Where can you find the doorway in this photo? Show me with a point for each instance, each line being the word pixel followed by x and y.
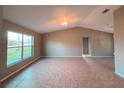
pixel 86 46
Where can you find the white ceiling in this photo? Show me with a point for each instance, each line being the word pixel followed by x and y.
pixel 45 19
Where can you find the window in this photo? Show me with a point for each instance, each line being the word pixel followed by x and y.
pixel 19 47
pixel 27 46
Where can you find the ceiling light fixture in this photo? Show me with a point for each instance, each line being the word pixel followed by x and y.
pixel 64 23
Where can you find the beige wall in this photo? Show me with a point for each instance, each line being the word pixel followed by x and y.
pixel 119 41
pixel 9 26
pixel 69 42
pixel 1 37
pixel 1 14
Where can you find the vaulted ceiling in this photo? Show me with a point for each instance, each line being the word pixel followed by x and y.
pixel 50 18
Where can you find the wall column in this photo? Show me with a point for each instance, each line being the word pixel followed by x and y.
pixel 119 41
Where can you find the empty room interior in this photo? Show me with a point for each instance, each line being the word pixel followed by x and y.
pixel 62 46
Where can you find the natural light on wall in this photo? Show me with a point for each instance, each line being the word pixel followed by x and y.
pixel 19 47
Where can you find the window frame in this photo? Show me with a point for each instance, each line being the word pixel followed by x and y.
pixel 22 48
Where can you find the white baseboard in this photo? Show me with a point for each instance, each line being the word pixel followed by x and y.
pixel 86 55
pixel 76 56
pixel 119 74
pixel 19 69
pixel 61 56
pixel 94 56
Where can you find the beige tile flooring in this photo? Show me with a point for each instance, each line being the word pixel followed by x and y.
pixel 68 73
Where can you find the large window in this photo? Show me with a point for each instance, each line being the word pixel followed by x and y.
pixel 20 47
